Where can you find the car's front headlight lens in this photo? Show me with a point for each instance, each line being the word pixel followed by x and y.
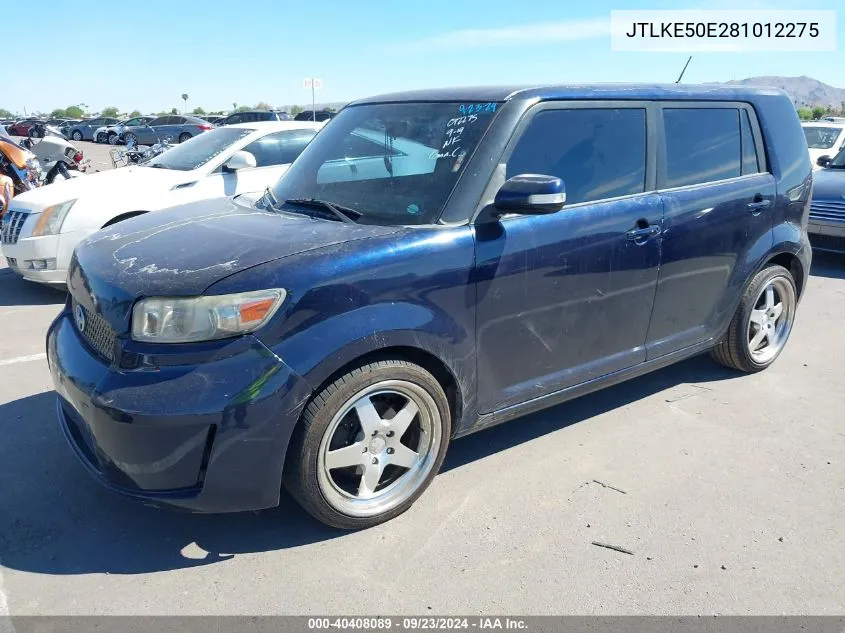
pixel 184 320
pixel 52 218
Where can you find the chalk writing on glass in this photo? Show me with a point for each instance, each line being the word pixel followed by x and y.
pixel 450 154
pixel 472 108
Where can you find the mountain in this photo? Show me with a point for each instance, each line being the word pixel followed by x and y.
pixel 805 91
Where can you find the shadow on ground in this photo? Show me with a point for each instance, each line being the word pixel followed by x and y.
pixel 14 291
pixel 56 520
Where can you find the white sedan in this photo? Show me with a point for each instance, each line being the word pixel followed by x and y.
pixel 43 226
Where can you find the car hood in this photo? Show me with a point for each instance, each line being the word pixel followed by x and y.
pixel 116 182
pixel 829 184
pixel 184 250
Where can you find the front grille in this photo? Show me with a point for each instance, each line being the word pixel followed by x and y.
pixel 97 332
pixel 13 263
pixel 827 210
pixel 832 243
pixel 10 229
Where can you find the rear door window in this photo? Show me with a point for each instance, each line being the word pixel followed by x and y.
pixel 598 153
pixel 702 145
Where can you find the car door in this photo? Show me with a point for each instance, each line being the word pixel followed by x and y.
pixel 718 198
pixel 89 127
pixel 567 297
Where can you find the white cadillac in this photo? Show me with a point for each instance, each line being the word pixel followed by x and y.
pixel 43 226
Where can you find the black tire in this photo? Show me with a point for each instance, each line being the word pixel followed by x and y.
pixel 33 133
pixel 301 463
pixel 184 136
pixel 101 138
pixel 76 135
pixel 734 350
pixel 129 136
pixel 113 139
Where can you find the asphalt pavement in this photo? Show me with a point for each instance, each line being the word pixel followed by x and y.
pixel 727 489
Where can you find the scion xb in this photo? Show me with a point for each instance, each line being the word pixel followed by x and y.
pixel 433 263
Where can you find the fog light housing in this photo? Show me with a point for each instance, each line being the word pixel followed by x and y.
pixel 40 264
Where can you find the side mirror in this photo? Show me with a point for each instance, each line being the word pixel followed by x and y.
pixel 824 161
pixel 239 160
pixel 526 194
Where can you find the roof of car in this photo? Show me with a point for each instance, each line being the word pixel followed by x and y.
pixel 576 91
pixel 277 126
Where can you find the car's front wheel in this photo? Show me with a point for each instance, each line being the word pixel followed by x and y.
pixel 113 139
pixel 762 322
pixel 77 135
pixel 369 444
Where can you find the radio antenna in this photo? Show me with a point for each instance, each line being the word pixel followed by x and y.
pixel 681 76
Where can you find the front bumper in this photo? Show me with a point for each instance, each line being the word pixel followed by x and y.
pixel 209 436
pixel 58 248
pixel 827 235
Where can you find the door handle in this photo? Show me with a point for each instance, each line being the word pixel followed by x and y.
pixel 758 204
pixel 641 235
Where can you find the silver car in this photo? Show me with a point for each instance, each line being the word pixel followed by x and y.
pixel 178 127
pixel 84 130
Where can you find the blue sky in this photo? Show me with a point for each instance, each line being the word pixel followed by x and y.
pixel 219 53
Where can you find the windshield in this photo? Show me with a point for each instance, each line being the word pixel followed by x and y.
pixel 197 151
pixel 838 160
pixel 393 163
pixel 821 137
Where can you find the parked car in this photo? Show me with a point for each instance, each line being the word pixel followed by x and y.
pixel 335 334
pixel 178 127
pixel 66 127
pixel 827 210
pixel 253 115
pixel 824 138
pixel 50 221
pixel 311 115
pixel 21 127
pixel 84 130
pixel 212 118
pixel 57 122
pixel 113 134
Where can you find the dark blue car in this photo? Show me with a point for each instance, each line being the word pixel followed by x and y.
pixel 434 263
pixel 827 209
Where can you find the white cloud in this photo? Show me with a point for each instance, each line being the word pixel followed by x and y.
pixel 543 32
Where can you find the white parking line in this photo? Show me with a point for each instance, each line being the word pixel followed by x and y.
pixel 22 359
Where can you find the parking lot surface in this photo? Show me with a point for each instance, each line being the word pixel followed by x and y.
pixel 729 491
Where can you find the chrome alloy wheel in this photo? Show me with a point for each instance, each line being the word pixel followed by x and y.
pixel 379 448
pixel 771 319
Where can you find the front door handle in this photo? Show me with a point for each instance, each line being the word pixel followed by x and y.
pixel 641 235
pixel 758 204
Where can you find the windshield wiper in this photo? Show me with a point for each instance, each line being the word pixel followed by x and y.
pixel 344 214
pixel 270 197
pixel 157 166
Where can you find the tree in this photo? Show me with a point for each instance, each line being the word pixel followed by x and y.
pixel 110 111
pixel 198 110
pixel 185 99
pixel 174 111
pixel 295 110
pixel 59 113
pixel 4 113
pixel 234 105
pixel 243 109
pixel 818 112
pixel 261 105
pixel 74 112
pixel 135 113
pixel 842 108
pixel 805 114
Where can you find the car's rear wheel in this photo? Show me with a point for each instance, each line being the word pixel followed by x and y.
pixel 113 138
pixel 369 444
pixel 762 322
pixel 184 136
pixel 77 135
pixel 101 138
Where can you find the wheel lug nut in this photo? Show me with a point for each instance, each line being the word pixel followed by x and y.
pixel 375 460
pixel 390 451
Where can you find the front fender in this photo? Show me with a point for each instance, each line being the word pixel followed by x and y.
pixel 321 349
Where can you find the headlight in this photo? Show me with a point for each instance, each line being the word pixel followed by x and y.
pixel 52 218
pixel 183 320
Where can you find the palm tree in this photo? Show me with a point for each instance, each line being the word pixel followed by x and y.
pixel 185 99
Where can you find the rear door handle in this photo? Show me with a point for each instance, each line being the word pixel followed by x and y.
pixel 637 235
